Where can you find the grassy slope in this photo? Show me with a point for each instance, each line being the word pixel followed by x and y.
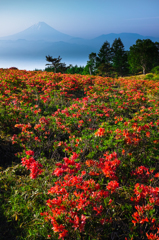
pixel 21 198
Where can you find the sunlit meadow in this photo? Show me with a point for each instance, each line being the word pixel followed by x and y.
pixel 86 158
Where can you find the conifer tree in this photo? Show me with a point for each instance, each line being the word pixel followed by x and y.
pixel 119 57
pixel 103 60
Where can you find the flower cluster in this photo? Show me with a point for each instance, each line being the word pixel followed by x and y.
pixel 32 165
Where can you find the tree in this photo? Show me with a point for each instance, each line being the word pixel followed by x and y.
pixel 104 55
pixel 143 55
pixel 119 57
pixel 55 62
pixel 62 68
pixel 157 46
pixel 91 64
pixel 103 60
pixel 75 70
pixel 87 70
pixel 105 70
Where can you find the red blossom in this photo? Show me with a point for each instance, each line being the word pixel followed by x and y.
pixel 30 153
pixel 112 185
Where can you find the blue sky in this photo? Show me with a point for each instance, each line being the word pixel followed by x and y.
pixel 81 18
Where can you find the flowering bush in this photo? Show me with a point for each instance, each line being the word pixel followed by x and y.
pixel 104 146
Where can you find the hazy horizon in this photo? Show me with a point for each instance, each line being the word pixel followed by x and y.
pixel 34 62
pixel 32 65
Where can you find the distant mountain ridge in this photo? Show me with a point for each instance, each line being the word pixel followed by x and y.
pixel 41 39
pixel 43 32
pixel 128 39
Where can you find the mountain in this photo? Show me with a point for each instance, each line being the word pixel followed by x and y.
pixel 40 40
pixel 39 31
pixel 128 39
pixel 43 32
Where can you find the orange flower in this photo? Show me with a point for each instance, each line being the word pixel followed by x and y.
pixel 100 132
pixel 147 134
pixel 123 152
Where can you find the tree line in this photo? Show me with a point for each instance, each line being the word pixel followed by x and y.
pixel 114 61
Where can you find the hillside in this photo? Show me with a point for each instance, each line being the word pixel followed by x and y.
pixel 79 156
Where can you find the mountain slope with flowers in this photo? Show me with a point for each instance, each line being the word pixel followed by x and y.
pixel 88 156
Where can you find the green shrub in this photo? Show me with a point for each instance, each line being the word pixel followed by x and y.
pixel 149 76
pixel 49 69
pixel 156 78
pixel 155 70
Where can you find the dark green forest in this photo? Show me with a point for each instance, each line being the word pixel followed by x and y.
pixel 114 61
